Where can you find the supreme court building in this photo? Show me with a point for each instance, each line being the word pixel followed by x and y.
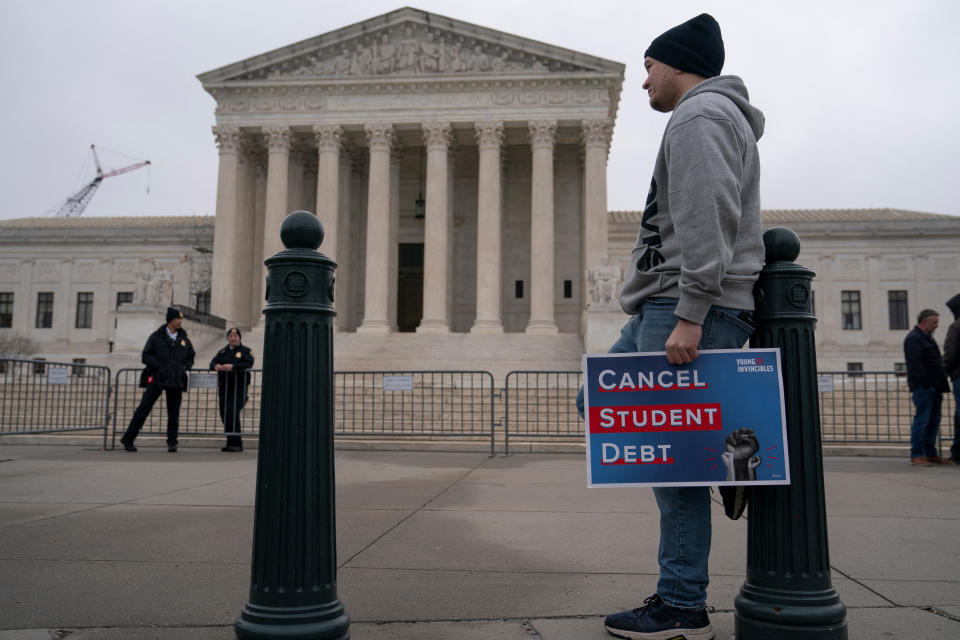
pixel 459 172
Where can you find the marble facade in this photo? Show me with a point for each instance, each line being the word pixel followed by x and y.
pixel 504 140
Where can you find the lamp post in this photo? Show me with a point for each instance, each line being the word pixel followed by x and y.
pixel 293 582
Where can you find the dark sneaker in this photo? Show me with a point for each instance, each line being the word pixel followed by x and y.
pixel 171 448
pixel 734 501
pixel 128 446
pixel 656 620
pixel 231 448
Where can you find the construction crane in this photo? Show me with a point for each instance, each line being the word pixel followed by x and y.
pixel 77 203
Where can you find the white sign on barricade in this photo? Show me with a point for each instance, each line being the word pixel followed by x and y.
pixel 398 383
pixel 57 375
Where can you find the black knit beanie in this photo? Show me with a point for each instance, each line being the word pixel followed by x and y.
pixel 694 46
pixel 173 312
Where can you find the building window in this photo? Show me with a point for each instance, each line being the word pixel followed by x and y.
pixel 124 297
pixel 44 310
pixel 203 302
pixel 78 370
pixel 897 305
pixel 85 310
pixel 518 289
pixel 850 310
pixel 855 369
pixel 6 309
pixel 39 366
pixel 900 368
pixel 568 288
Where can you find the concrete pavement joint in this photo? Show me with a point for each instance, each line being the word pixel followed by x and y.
pixel 413 513
pixel 529 628
pixel 941 613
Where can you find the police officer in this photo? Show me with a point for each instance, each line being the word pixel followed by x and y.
pixel 232 364
pixel 168 355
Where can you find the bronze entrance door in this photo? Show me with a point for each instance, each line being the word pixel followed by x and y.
pixel 410 287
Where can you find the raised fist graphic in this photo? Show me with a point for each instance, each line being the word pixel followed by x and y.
pixel 739 456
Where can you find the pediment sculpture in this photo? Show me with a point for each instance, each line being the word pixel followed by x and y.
pixel 408 51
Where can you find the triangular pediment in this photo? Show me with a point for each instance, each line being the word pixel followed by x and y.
pixel 409 43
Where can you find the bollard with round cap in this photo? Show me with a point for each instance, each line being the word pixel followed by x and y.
pixel 293 581
pixel 788 593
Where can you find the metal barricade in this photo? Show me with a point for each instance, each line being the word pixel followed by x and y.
pixel 200 409
pixel 40 396
pixel 872 407
pixel 414 403
pixel 540 404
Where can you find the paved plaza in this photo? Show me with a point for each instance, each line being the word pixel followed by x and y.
pixel 108 544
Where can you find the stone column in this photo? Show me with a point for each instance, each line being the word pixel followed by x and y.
pixel 596 141
pixel 436 243
pixel 376 294
pixel 543 136
pixel 345 270
pixel 295 166
pixel 489 217
pixel 396 157
pixel 224 298
pixel 328 185
pixel 278 178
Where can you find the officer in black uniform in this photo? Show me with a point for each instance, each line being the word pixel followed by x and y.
pixel 168 355
pixel 232 364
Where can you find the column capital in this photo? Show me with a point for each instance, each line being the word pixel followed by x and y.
pixel 380 136
pixel 543 133
pixel 328 137
pixel 277 138
pixel 437 135
pixel 228 138
pixel 489 134
pixel 596 132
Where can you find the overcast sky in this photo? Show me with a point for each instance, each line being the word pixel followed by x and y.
pixel 861 100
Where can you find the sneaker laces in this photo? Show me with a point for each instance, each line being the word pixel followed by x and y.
pixel 652 602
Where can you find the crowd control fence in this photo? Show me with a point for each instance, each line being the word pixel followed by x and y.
pixel 874 407
pixel 366 403
pixel 40 396
pixel 541 404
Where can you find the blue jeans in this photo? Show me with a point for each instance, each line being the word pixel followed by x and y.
pixel 685 528
pixel 926 422
pixel 955 449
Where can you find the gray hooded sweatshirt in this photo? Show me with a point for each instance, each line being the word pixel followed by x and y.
pixel 700 238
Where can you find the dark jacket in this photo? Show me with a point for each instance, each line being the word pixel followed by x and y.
pixel 167 360
pixel 924 364
pixel 951 346
pixel 242 360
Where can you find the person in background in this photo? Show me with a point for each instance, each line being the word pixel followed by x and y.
pixel 951 363
pixel 232 364
pixel 167 355
pixel 927 383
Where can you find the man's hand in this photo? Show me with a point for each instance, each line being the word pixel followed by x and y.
pixel 682 344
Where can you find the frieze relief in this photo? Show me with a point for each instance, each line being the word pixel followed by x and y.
pixel 410 51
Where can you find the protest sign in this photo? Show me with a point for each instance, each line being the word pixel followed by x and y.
pixel 718 420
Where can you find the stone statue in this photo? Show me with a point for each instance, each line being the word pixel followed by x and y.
pixel 160 288
pixel 142 277
pixel 384 57
pixel 341 64
pixel 430 53
pixel 499 63
pixel 407 58
pixel 455 63
pixel 362 62
pixel 604 281
pixel 479 61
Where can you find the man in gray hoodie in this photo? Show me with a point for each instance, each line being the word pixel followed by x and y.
pixel 690 282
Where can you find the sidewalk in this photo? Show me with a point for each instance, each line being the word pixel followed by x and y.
pixel 434 545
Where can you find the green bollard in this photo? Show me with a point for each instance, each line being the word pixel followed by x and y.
pixel 788 593
pixel 293 582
